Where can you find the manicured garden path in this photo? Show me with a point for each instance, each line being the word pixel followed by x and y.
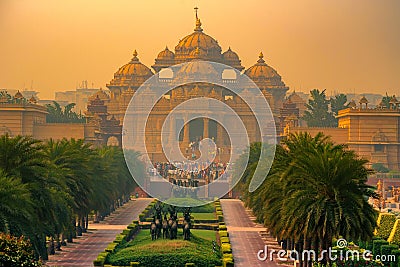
pixel 86 248
pixel 244 235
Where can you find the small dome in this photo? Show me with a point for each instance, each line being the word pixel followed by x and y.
pixel 166 54
pixel 134 67
pixel 32 100
pixel 18 95
pixel 295 98
pixel 100 94
pixel 363 100
pixel 262 73
pixel 229 55
pixel 352 104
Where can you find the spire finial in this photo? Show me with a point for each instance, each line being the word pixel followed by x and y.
pixel 135 59
pixel 198 22
pixel 261 56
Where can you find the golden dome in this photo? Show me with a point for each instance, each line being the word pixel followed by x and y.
pixel 134 68
pixel 132 74
pixel 99 94
pixel 262 73
pixel 197 39
pixel 232 59
pixel 166 54
pixel 230 55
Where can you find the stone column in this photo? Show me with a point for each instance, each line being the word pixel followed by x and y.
pixel 220 137
pixel 186 133
pixel 205 128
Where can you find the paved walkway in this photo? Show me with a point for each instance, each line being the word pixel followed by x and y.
pixel 244 234
pixel 86 248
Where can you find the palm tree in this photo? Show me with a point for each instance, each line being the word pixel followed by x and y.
pixel 315 192
pixel 15 204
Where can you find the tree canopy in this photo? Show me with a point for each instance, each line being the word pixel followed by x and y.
pixel 56 114
pixel 316 191
pixel 321 112
pixel 49 188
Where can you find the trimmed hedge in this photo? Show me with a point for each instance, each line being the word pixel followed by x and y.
pixel 396 253
pixel 394 237
pixel 226 248
pixel 222 227
pixel 134 264
pixel 223 233
pixel 387 250
pixel 385 225
pixel 376 250
pixel 224 240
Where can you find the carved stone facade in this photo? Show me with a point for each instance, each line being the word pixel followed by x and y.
pixel 197 46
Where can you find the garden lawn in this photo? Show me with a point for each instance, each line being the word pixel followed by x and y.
pixel 168 253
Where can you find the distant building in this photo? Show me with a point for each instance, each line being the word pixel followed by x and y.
pixel 80 97
pixel 373 133
pixel 22 116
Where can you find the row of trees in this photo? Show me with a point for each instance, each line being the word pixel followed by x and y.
pixel 49 188
pixel 315 191
pixel 56 114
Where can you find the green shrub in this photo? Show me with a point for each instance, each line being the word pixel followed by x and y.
pixel 135 222
pixel 142 217
pixel 387 250
pixel 226 248
pixel 385 225
pixel 228 262
pixel 394 237
pixel 223 233
pixel 16 251
pixel 134 264
pixel 396 253
pixel 376 250
pixel 99 261
pixel 190 265
pixel 111 247
pixel 224 240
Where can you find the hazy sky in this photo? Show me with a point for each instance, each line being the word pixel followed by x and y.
pixel 341 45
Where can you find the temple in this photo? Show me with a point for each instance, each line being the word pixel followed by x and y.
pixel 195 47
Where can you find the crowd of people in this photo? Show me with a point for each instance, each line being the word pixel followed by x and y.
pixel 189 172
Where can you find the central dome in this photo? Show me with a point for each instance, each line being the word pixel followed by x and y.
pixel 198 39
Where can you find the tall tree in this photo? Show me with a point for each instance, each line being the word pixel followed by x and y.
pixel 315 191
pixel 317 113
pixel 338 102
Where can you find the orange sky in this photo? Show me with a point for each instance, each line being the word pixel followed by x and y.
pixel 342 45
